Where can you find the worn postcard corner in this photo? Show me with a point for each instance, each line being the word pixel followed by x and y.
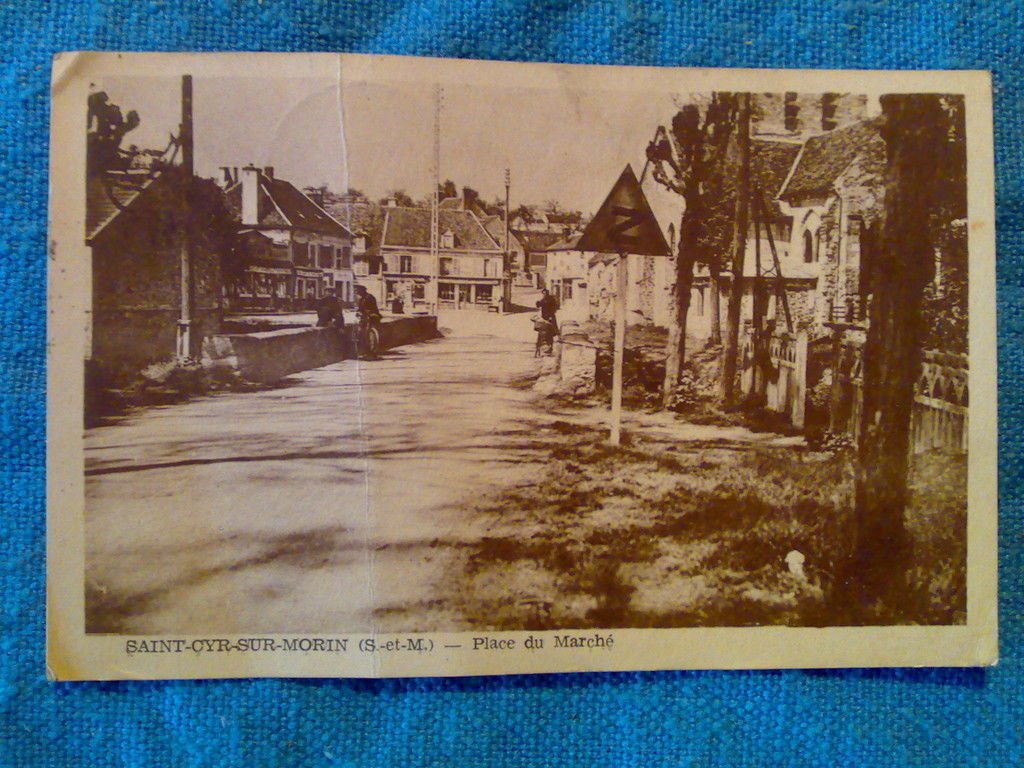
pixel 379 366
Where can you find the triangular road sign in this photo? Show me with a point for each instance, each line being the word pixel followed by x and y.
pixel 625 223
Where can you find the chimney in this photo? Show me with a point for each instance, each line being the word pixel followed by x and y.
pixel 828 111
pixel 268 171
pixel 226 178
pixel 250 195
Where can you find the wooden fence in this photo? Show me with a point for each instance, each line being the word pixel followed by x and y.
pixel 939 416
pixel 781 377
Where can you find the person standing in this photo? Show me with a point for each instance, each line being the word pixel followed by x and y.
pixel 547 326
pixel 548 306
pixel 328 311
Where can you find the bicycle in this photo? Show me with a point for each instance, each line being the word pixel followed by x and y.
pixel 367 336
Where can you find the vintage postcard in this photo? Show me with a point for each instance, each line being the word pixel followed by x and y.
pixel 384 366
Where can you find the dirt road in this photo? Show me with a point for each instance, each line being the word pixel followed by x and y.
pixel 428 490
pixel 332 503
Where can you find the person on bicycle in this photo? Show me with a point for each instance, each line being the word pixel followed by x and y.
pixel 368 314
pixel 366 305
pixel 547 325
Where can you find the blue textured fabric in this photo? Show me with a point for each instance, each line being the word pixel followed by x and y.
pixel 894 717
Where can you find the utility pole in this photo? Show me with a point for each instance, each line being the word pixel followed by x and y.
pixel 184 337
pixel 619 354
pixel 507 271
pixel 435 202
pixel 739 248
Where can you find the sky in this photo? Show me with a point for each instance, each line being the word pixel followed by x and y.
pixel 558 144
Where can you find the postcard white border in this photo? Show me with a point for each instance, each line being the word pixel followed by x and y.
pixel 73 655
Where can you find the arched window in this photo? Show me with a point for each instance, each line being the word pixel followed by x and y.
pixel 808 247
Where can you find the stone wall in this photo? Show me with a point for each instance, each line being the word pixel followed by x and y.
pixel 124 341
pixel 272 355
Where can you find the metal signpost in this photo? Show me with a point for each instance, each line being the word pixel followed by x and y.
pixel 624 224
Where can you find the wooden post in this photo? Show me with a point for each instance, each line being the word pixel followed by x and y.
pixel 622 284
pixel 739 251
pixel 798 408
pixel 184 337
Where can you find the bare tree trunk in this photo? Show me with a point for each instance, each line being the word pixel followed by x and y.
pixel 914 132
pixel 715 302
pixel 739 247
pixel 676 344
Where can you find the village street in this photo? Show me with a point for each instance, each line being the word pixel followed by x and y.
pixel 303 507
pixel 346 499
pixel 309 505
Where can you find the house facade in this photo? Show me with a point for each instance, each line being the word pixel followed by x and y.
pixel 834 197
pixel 291 252
pixel 517 257
pixel 567 278
pixel 365 220
pixel 468 272
pixel 135 226
pixel 535 252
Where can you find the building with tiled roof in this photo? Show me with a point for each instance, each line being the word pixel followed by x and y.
pixel 518 273
pixel 567 275
pixel 365 220
pixel 468 270
pixel 834 195
pixel 302 252
pixel 535 245
pixel 135 226
pixel 410 228
pixel 823 160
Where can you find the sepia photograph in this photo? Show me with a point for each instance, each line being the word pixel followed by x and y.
pixel 386 349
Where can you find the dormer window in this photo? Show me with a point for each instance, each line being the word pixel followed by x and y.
pixel 448 239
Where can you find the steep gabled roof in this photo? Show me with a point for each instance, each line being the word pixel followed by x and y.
pixel 106 195
pixel 824 158
pixel 495 226
pixel 568 244
pixel 537 241
pixel 460 203
pixel 410 227
pixel 282 205
pixel 770 164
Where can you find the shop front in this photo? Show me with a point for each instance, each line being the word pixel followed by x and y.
pixel 470 294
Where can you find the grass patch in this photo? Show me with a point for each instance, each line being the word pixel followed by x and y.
pixel 644 536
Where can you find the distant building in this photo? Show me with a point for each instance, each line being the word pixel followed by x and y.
pixel 135 226
pixel 567 275
pixel 563 223
pixel 291 250
pixel 495 226
pixel 535 247
pixel 468 269
pixel 365 220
